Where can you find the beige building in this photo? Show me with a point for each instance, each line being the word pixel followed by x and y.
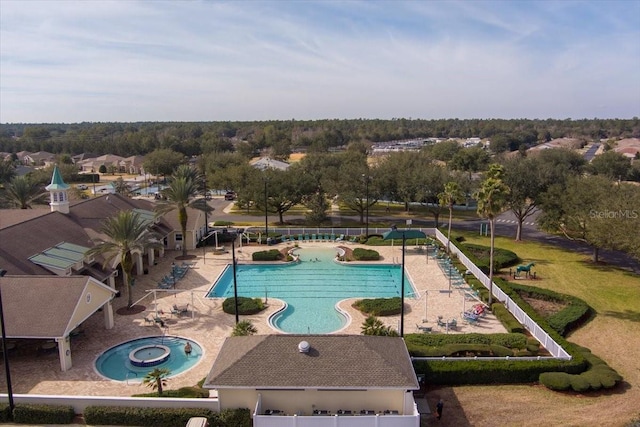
pixel 307 380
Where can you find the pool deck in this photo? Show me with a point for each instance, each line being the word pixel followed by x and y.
pixel 207 324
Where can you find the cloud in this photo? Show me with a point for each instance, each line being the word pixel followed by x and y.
pixel 130 61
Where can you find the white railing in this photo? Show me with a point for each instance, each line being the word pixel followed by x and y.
pixel 547 342
pixel 337 420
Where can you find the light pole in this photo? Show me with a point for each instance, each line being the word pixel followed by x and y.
pixel 235 280
pixel 173 274
pixel 5 351
pixel 366 186
pixel 266 218
pixel 394 233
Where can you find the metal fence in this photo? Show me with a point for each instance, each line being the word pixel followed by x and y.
pixel 549 343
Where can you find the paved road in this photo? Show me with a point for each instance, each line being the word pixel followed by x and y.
pixel 505 226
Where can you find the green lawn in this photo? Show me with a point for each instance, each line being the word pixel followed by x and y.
pixel 610 291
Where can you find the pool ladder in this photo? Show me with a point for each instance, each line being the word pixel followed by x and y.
pixel 127 376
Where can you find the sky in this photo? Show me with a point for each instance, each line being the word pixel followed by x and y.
pixel 128 61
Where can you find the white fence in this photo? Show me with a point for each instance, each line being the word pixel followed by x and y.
pixel 552 347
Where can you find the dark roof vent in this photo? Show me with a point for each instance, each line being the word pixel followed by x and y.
pixel 303 347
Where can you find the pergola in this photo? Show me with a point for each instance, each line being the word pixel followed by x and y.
pixel 49 308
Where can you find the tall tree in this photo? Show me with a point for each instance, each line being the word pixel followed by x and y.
pixel 180 194
pixel 162 161
pixel 7 171
pixel 22 193
pixel 522 176
pixel 492 200
pixel 614 165
pixel 595 211
pixel 127 233
pixel 451 195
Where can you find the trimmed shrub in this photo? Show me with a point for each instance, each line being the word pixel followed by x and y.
pixel 245 305
pixel 558 381
pixel 361 254
pixel 235 418
pixel 186 392
pixel 480 256
pixel 379 306
pixel 48 414
pixel 5 413
pixel 155 417
pixel 575 313
pixel 270 255
pixel 579 383
pixel 506 318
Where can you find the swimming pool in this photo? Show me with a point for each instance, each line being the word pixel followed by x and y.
pixel 123 362
pixel 311 288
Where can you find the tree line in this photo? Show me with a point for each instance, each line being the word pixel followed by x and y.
pixel 280 138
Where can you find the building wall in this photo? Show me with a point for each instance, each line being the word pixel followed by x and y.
pixel 304 402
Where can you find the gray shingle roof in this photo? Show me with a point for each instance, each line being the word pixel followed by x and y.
pixel 41 306
pixel 334 362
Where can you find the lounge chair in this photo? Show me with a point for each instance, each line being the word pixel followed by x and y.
pixel 149 320
pixel 314 237
pixel 425 329
pixel 332 237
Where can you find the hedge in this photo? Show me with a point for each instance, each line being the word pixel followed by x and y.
pixel 479 255
pixel 155 417
pixel 361 254
pixel 246 305
pixel 379 306
pixel 185 392
pixel 598 375
pixel 164 417
pixel 270 255
pixel 43 414
pixel 566 320
pixel 510 323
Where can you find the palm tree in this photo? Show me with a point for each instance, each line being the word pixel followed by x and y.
pixel 451 195
pixel 121 187
pixel 22 193
pixel 128 233
pixel 180 194
pixel 492 200
pixel 157 379
pixel 243 329
pixel 374 326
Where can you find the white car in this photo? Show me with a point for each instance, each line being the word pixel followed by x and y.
pixel 82 187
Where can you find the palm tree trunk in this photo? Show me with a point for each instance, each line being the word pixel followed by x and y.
pixel 493 235
pixel 182 217
pixel 127 286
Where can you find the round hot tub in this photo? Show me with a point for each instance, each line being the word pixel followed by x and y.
pixel 149 355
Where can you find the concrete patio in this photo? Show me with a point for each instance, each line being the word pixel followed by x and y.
pixel 207 324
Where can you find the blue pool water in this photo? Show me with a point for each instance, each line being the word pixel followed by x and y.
pixel 115 364
pixel 312 288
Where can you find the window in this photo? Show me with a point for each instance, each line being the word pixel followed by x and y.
pixel 178 237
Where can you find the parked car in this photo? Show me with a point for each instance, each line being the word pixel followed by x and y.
pixel 231 195
pixel 82 187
